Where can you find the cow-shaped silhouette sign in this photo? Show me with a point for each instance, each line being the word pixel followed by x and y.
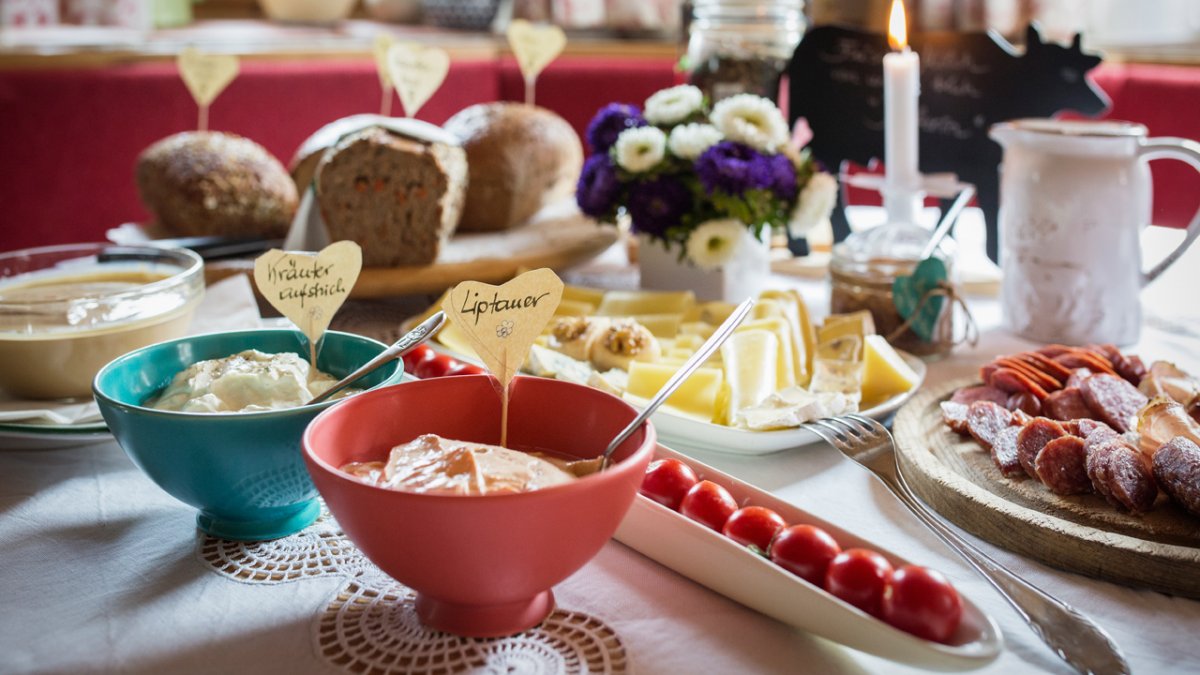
pixel 969 81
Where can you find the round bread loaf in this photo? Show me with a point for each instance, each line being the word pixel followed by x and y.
pixel 520 158
pixel 398 197
pixel 215 183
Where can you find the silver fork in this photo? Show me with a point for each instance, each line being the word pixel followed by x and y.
pixel 1070 634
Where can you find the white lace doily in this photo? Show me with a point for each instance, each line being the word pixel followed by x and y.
pixel 370 624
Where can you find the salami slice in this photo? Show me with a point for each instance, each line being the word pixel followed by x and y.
pixel 1084 427
pixel 1078 376
pixel 1030 372
pixel 1025 402
pixel 1004 453
pixel 1053 351
pixel 1080 358
pixel 983 392
pixel 1113 400
pixel 1062 466
pixel 1118 473
pixel 1033 437
pixel 1047 365
pixel 1015 382
pixel 1066 404
pixel 1130 367
pixel 985 420
pixel 955 416
pixel 1177 468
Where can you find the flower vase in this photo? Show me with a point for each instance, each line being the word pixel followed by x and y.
pixel 742 276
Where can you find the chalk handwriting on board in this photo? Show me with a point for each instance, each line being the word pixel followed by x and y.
pixel 969 81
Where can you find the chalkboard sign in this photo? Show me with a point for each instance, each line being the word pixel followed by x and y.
pixel 969 81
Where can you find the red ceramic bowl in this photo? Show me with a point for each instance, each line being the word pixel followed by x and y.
pixel 482 566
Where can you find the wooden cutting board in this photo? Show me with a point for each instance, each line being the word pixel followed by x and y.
pixel 490 257
pixel 1082 533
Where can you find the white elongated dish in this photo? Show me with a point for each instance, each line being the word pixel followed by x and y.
pixel 709 558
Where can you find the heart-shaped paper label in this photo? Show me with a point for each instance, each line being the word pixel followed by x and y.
pixel 379 48
pixel 501 322
pixel 308 288
pixel 913 294
pixel 416 73
pixel 206 75
pixel 535 46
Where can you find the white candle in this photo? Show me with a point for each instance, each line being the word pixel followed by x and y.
pixel 901 91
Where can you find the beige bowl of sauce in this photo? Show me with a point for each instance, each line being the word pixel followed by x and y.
pixel 66 311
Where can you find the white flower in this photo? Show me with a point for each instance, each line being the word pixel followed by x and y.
pixel 640 149
pixel 815 203
pixel 673 105
pixel 714 242
pixel 752 120
pixel 688 141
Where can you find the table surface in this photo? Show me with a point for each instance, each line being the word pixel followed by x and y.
pixel 100 569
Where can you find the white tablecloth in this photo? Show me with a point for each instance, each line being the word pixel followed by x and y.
pixel 98 570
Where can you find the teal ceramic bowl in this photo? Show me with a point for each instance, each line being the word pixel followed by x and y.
pixel 244 471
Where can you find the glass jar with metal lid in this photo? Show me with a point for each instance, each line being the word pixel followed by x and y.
pixel 742 46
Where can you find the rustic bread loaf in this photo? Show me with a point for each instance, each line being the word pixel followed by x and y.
pixel 520 158
pixel 398 197
pixel 215 183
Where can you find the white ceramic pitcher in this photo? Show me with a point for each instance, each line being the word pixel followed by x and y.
pixel 1074 199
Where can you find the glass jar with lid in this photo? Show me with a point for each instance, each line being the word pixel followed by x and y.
pixel 742 46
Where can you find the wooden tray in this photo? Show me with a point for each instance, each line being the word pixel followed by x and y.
pixel 490 257
pixel 1082 533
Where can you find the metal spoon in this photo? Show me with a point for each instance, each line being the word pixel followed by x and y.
pixel 710 345
pixel 422 332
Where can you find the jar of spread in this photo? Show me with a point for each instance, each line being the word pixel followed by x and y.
pixel 742 46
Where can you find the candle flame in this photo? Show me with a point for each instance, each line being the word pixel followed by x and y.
pixel 898 26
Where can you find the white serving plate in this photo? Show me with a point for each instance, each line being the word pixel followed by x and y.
pixel 709 558
pixel 52 437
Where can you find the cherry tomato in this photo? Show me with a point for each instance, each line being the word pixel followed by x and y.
pixel 709 504
pixel 754 526
pixel 463 368
pixel 922 602
pixel 415 356
pixel 805 551
pixel 435 365
pixel 859 576
pixel 667 481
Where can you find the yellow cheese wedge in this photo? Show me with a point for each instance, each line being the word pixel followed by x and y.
pixel 574 308
pixel 714 312
pixel 796 313
pixel 591 296
pixel 749 358
pixel 785 362
pixel 845 348
pixel 680 353
pixel 661 325
pixel 696 397
pixel 697 328
pixel 687 341
pixel 885 373
pixel 453 338
pixel 857 323
pixel 632 303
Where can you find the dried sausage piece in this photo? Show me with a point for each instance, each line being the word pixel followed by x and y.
pixel 1031 373
pixel 1118 473
pixel 1130 367
pixel 1033 437
pixel 1062 466
pixel 1066 404
pixel 1004 453
pixel 955 416
pixel 1047 365
pixel 1078 376
pixel 1014 382
pixel 1053 351
pixel 1082 358
pixel 1024 402
pixel 983 392
pixel 1083 428
pixel 1113 400
pixel 1177 468
pixel 985 420
pixel 986 371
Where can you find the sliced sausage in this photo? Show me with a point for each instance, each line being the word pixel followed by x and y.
pixel 955 416
pixel 1053 351
pixel 1025 402
pixel 1004 453
pixel 1177 468
pixel 983 392
pixel 1013 382
pixel 1047 365
pixel 1117 472
pixel 1113 400
pixel 1062 466
pixel 1079 358
pixel 1078 376
pixel 985 420
pixel 1084 427
pixel 1033 437
pixel 1066 404
pixel 1030 372
pixel 1130 367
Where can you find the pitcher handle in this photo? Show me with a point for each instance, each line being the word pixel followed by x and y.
pixel 1183 150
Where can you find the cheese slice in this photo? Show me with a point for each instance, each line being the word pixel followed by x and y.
pixel 574 308
pixel 632 303
pixel 661 325
pixel 714 312
pixel 545 362
pixel 687 341
pixel 833 375
pixel 591 296
pixel 885 373
pixel 791 308
pixel 697 328
pixel 859 324
pixel 696 397
pixel 785 363
pixel 749 359
pixel 453 338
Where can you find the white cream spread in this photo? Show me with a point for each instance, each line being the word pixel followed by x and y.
pixel 248 381
pixel 432 464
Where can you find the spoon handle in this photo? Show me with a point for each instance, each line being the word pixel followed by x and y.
pixel 412 338
pixel 706 350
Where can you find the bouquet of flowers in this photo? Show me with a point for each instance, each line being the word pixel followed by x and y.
pixel 695 179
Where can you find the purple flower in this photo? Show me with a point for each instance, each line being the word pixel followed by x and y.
pixel 783 177
pixel 609 122
pixel 598 187
pixel 657 204
pixel 734 168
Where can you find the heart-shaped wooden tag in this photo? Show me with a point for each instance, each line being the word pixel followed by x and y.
pixel 912 295
pixel 308 288
pixel 379 48
pixel 206 75
pixel 535 46
pixel 416 72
